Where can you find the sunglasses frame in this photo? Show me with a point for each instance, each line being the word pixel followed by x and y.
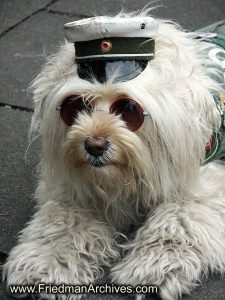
pixel 144 113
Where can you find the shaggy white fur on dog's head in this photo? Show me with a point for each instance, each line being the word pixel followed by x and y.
pixel 158 161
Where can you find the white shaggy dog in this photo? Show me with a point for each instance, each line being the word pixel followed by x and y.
pixel 151 182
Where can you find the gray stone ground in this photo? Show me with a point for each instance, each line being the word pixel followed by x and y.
pixel 30 30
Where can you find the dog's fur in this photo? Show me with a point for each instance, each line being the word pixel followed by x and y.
pixel 153 181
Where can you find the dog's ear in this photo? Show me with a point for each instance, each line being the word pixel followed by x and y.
pixel 39 91
pixel 188 60
pixel 57 68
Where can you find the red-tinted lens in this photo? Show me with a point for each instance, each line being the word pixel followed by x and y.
pixel 70 108
pixel 131 112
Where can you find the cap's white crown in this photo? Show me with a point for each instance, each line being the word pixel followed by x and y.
pixel 106 27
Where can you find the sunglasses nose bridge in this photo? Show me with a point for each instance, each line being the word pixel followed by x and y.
pixel 102 106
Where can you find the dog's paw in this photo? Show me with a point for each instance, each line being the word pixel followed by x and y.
pixel 30 265
pixel 176 283
pixel 169 277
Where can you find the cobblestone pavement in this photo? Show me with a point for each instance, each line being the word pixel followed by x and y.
pixel 30 30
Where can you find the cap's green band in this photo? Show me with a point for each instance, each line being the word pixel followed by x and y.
pixel 110 49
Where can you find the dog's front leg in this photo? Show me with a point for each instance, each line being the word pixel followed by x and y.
pixel 60 245
pixel 176 245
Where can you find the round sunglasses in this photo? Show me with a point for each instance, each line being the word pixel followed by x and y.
pixel 130 111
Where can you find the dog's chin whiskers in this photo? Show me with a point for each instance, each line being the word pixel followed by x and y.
pixel 102 161
pixel 97 162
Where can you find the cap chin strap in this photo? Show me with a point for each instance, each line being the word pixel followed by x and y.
pixel 117 70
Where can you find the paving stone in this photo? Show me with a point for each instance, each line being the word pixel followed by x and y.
pixel 17 176
pixel 212 288
pixel 4 296
pixel 191 14
pixel 13 12
pixel 22 53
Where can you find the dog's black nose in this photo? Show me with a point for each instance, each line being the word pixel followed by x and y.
pixel 96 146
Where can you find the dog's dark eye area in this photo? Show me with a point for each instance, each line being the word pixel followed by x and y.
pixel 131 112
pixel 70 108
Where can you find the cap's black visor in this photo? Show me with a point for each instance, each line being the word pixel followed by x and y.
pixel 119 70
